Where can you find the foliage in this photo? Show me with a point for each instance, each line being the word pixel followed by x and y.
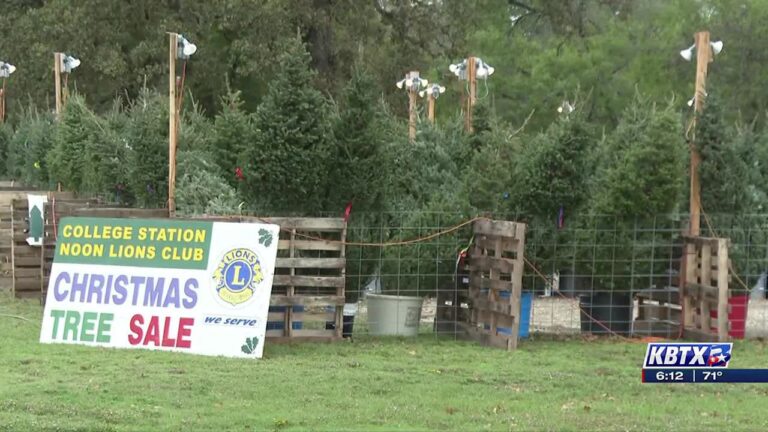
pixel 286 167
pixel 638 184
pixel 27 150
pixel 234 131
pixel 355 169
pixel 200 188
pixel 146 136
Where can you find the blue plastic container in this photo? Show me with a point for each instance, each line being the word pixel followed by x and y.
pixel 280 325
pixel 526 301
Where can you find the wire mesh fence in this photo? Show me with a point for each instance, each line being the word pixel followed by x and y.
pixel 599 275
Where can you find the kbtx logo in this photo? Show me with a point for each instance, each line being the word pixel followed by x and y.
pixel 687 355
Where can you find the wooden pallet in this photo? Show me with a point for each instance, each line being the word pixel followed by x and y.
pixel 495 283
pixel 706 288
pixel 31 265
pixel 309 273
pixel 658 313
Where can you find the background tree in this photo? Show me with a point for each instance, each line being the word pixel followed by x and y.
pixel 287 165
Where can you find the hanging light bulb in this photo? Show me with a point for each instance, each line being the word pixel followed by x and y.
pixel 687 53
pixel 69 63
pixel 484 70
pixel 6 69
pixel 690 102
pixel 185 48
pixel 717 46
pixel 565 108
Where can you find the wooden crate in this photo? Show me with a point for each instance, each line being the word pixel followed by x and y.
pixel 705 281
pixel 31 265
pixel 658 313
pixel 495 283
pixel 309 279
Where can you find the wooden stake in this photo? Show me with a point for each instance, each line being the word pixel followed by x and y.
pixel 2 103
pixel 173 112
pixel 470 101
pixel 57 83
pixel 431 108
pixel 414 75
pixel 703 57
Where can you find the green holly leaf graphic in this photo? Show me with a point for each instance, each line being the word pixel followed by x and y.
pixel 250 345
pixel 265 237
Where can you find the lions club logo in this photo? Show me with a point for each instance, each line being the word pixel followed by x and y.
pixel 237 276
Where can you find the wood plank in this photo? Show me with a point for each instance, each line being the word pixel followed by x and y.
pixel 484 305
pixel 306 300
pixel 722 288
pixel 28 284
pixel 485 263
pixel 301 224
pixel 498 228
pixel 665 295
pixel 483 283
pixel 324 263
pixel 702 291
pixel 486 338
pixel 26 272
pixel 310 245
pixel 308 281
pixel 700 241
pixel 120 213
pixel 489 243
pixel 659 312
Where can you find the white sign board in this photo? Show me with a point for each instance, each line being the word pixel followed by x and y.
pixel 190 286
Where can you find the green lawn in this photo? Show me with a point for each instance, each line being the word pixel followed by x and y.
pixel 370 384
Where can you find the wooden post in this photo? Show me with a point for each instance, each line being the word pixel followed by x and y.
pixel 173 113
pixel 431 108
pixel 2 103
pixel 57 83
pixel 703 57
pixel 470 101
pixel 722 287
pixel 413 75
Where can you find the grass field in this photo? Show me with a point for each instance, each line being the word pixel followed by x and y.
pixel 370 384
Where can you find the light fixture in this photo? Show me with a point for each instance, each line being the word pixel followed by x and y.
pixel 717 46
pixel 6 69
pixel 691 101
pixel 483 70
pixel 565 108
pixel 185 48
pixel 687 53
pixel 69 63
pixel 459 69
pixel 435 90
pixel 412 84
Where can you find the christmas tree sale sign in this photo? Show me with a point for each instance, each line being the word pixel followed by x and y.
pixel 190 286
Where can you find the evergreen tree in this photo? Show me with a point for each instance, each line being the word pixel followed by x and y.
pixel 67 160
pixel 554 169
pixel 234 131
pixel 146 134
pixel 200 189
pixel 287 166
pixel 6 133
pixel 725 173
pixel 356 162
